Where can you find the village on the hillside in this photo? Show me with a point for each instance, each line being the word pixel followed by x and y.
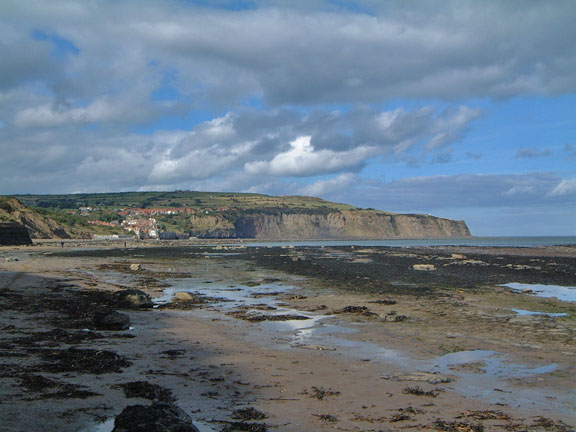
pixel 141 223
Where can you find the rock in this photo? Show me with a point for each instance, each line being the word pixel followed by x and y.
pixel 111 320
pixel 317 347
pixel 133 299
pixel 184 296
pixel 249 413
pixel 458 256
pixel 135 267
pixel 146 390
pixel 424 267
pixel 10 259
pixel 431 378
pixel 363 310
pixel 393 317
pixel 158 417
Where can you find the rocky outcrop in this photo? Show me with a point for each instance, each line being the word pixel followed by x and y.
pixel 111 320
pixel 133 299
pixel 346 224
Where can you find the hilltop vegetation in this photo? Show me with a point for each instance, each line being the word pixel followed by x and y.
pixel 199 200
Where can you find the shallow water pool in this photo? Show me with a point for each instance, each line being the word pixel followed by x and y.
pixel 564 293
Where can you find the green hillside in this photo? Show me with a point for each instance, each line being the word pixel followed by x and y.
pixel 198 200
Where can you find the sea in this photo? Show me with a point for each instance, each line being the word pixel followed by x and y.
pixel 534 241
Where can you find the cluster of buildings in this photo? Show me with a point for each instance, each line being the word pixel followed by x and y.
pixel 142 228
pixel 141 222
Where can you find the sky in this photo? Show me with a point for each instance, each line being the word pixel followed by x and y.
pixel 463 109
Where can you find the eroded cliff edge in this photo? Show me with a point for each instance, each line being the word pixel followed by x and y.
pixel 345 224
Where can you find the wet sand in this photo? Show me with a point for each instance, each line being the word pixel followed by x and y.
pixel 369 343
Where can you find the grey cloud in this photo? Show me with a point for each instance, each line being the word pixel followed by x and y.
pixel 531 153
pixel 24 62
pixel 292 55
pixel 570 150
pixel 475 156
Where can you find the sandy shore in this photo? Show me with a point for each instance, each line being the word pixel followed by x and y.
pixel 371 351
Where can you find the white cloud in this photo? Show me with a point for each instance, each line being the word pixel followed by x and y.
pixel 303 160
pixel 566 187
pixel 333 186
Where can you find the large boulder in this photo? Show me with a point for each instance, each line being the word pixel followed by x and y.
pixel 184 296
pixel 133 299
pixel 158 417
pixel 111 320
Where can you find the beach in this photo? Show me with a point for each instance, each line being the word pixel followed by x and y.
pixel 290 338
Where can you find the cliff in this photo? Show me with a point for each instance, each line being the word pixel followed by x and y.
pixel 222 215
pixel 38 225
pixel 346 224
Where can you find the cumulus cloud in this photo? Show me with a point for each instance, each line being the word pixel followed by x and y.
pixel 303 160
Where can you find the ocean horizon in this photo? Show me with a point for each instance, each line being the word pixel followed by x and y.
pixel 511 241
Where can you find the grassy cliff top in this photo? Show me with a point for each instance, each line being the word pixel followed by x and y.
pixel 199 200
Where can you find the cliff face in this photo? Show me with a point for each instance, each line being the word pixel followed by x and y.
pixel 39 226
pixel 212 227
pixel 346 224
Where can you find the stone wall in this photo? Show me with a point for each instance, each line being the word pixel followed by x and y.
pixel 14 234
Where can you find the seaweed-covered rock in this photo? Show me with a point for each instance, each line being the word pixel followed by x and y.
pixel 111 320
pixel 146 390
pixel 133 299
pixel 158 417
pixel 82 360
pixel 249 413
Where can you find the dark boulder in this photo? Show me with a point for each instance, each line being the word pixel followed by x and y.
pixel 133 299
pixel 111 320
pixel 158 417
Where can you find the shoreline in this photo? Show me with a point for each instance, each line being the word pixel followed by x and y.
pixel 247 365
